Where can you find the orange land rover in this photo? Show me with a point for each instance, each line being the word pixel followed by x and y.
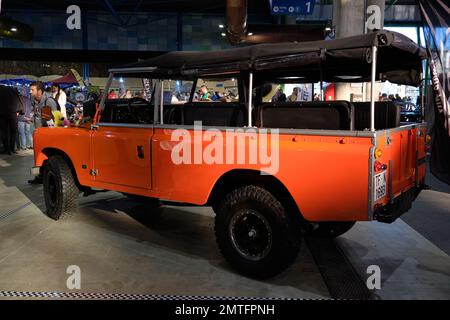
pixel 213 129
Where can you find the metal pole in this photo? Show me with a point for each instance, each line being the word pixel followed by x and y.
pixel 372 88
pixel 105 94
pixel 422 97
pixel 250 97
pixel 154 95
pixel 161 104
pixel 321 91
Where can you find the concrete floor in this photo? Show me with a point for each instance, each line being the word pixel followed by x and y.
pixel 122 248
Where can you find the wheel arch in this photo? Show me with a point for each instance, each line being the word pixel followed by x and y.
pixel 241 177
pixel 49 152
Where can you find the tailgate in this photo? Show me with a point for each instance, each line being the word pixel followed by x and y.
pixel 400 161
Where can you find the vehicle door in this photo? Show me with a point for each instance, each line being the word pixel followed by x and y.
pixel 121 144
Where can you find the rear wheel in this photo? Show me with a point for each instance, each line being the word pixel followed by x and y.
pixel 329 229
pixel 254 233
pixel 60 189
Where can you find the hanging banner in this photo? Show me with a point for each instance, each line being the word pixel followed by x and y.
pixel 436 29
pixel 148 87
pixel 79 78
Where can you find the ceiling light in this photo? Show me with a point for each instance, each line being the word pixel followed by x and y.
pixel 291 78
pixel 327 29
pixel 223 34
pixel 221 26
pixel 14 29
pixel 250 34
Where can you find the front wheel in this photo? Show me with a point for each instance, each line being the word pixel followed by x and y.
pixel 254 233
pixel 60 189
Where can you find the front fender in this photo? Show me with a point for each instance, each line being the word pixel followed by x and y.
pixel 39 159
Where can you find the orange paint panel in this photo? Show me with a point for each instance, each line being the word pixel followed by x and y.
pixel 327 178
pixel 122 156
pixel 74 142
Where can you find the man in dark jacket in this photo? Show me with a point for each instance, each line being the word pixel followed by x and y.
pixel 10 106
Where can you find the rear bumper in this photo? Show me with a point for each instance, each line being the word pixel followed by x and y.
pixel 398 206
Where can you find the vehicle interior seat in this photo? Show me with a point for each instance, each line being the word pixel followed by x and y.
pixel 387 115
pixel 326 115
pixel 214 114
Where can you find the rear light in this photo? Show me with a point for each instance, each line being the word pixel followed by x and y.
pixel 428 143
pixel 378 166
pixel 378 153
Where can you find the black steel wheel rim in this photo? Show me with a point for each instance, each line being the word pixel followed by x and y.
pixel 52 189
pixel 251 234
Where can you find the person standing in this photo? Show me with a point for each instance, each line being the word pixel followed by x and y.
pixel 293 97
pixel 41 99
pixel 10 106
pixel 60 96
pixel 204 93
pixel 24 124
pixel 112 94
pixel 128 94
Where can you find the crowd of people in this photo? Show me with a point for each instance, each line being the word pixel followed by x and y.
pixel 24 109
pixel 296 95
pixel 122 94
pixel 396 97
pixel 204 94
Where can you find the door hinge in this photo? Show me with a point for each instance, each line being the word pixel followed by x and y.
pixel 93 172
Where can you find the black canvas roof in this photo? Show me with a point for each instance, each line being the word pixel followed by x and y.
pixel 346 59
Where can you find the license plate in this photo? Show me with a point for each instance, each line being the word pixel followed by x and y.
pixel 379 182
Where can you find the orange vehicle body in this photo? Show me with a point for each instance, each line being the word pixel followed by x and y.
pixel 330 177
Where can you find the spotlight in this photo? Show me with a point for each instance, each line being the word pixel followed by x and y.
pixel 14 29
pixel 223 34
pixel 221 26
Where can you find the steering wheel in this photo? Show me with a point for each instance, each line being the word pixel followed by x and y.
pixel 136 100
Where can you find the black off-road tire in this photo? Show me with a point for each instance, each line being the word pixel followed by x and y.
pixel 60 189
pixel 254 232
pixel 329 229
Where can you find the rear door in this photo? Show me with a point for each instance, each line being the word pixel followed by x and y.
pixel 403 154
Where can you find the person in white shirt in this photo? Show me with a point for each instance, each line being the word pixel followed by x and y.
pixel 60 96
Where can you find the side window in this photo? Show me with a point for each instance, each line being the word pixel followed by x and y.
pixel 217 90
pixel 129 101
pixel 176 91
pixel 287 92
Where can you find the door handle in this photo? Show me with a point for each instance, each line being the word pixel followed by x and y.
pixel 140 152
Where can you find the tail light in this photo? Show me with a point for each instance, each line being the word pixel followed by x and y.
pixel 428 143
pixel 378 166
pixel 378 153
